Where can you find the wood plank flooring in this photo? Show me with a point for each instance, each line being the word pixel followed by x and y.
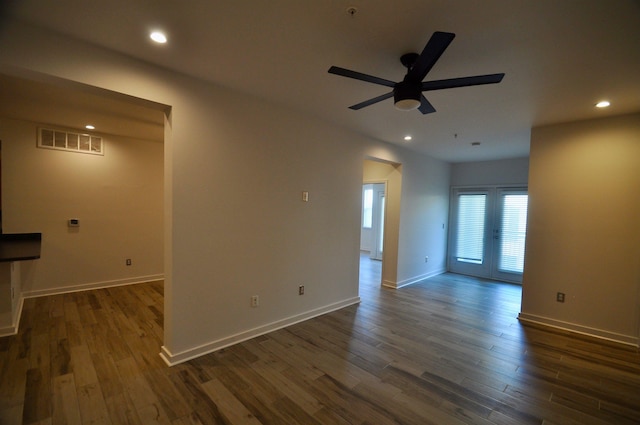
pixel 448 350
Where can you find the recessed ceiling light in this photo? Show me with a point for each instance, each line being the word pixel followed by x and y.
pixel 407 138
pixel 89 127
pixel 603 104
pixel 158 37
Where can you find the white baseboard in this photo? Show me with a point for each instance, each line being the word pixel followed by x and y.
pixel 94 285
pixel 579 329
pixel 173 359
pixel 411 281
pixel 8 331
pixel 13 329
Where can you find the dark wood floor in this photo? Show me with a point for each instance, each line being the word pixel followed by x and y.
pixel 448 350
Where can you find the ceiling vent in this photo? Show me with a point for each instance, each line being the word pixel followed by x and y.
pixel 70 141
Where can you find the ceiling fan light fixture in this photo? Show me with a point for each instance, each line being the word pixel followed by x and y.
pixel 158 36
pixel 407 104
pixel 406 96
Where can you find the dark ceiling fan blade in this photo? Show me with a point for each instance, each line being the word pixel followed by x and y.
pixel 462 82
pixel 360 76
pixel 425 106
pixel 436 45
pixel 371 101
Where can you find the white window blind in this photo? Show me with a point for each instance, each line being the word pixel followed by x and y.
pixel 470 232
pixel 513 233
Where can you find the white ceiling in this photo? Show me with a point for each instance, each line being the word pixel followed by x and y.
pixel 559 57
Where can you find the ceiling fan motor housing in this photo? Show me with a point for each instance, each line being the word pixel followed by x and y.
pixel 406 95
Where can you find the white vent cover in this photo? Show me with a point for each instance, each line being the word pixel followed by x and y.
pixel 69 141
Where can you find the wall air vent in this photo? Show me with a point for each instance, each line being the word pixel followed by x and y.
pixel 70 141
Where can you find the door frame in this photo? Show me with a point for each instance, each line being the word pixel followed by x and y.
pixel 377 221
pixel 488 270
pixel 377 224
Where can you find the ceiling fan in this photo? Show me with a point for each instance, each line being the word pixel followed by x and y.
pixel 407 94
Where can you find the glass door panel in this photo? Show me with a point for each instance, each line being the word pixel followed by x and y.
pixel 509 237
pixel 470 223
pixel 489 230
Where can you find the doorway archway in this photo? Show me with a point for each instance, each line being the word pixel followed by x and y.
pixel 384 244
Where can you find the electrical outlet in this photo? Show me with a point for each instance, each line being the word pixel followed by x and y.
pixel 128 262
pixel 426 259
pixel 255 301
pixel 301 290
pixel 560 297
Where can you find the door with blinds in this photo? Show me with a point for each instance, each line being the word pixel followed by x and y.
pixel 489 228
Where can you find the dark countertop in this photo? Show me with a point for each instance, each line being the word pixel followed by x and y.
pixel 20 246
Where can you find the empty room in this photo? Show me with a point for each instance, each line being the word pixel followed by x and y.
pixel 329 212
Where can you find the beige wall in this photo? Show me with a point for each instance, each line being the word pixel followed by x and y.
pixel 584 227
pixel 235 224
pixel 424 215
pixel 501 172
pixel 116 196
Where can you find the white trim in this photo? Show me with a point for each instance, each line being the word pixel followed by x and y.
pixel 413 280
pixel 13 329
pixel 389 284
pixel 172 359
pixel 579 329
pixel 95 285
pixel 8 331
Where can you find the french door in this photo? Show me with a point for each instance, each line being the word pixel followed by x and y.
pixel 489 228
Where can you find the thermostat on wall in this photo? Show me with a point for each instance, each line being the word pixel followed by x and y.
pixel 74 222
